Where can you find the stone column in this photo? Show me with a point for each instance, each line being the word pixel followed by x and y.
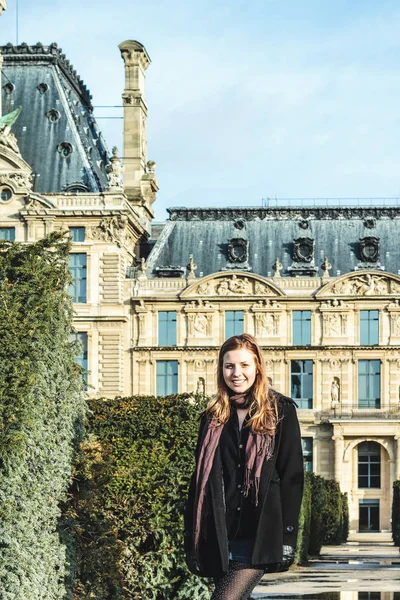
pixel 397 470
pixel 339 449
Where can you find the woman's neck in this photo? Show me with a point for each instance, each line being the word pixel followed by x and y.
pixel 241 413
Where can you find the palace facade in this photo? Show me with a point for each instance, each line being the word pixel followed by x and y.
pixel 319 287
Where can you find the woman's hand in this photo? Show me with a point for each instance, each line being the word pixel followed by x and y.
pixel 287 558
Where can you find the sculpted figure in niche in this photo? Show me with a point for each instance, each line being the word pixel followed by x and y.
pixel 396 324
pixel 200 324
pixel 335 391
pixel 332 324
pixel 266 325
pixel 201 387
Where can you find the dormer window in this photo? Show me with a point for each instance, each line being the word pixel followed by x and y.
pixel 65 149
pixel 43 88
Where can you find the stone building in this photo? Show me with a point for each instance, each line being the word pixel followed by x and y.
pixel 318 287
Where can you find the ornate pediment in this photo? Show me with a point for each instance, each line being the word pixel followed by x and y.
pixel 234 284
pixel 373 283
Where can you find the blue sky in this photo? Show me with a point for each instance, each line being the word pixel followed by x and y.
pixel 247 99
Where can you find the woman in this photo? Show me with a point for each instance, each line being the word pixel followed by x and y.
pixel 245 494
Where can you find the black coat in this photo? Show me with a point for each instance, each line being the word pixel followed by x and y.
pixel 280 495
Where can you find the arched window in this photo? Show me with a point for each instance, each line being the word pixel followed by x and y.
pixel 369 465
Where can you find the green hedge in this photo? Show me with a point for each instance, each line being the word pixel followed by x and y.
pixel 318 501
pixel 324 517
pixel 41 407
pixel 396 513
pixel 126 506
pixel 332 514
pixel 303 538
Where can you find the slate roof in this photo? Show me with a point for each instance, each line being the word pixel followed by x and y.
pixel 335 234
pixel 56 131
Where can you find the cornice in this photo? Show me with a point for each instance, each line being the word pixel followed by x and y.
pixel 51 54
pixel 283 214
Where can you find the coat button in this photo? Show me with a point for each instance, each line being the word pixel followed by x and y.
pixel 240 445
pixel 290 528
pixel 239 465
pixel 238 508
pixel 239 486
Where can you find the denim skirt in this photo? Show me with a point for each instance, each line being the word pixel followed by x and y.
pixel 241 550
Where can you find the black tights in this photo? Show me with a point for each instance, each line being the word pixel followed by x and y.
pixel 237 583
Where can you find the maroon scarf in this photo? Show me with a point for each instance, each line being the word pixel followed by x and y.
pixel 259 448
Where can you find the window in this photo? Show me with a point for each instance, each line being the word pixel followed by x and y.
pixel 368 515
pixel 369 465
pixel 77 234
pixel 7 233
pixel 369 327
pixel 301 327
pixel 82 357
pixel 167 377
pixel 307 446
pixel 301 384
pixel 369 384
pixel 5 194
pixel 167 328
pixel 234 322
pixel 77 267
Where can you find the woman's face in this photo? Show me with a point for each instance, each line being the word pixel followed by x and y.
pixel 239 369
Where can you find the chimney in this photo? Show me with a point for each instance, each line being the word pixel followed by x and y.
pixel 140 182
pixel 3 6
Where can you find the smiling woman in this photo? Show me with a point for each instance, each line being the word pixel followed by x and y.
pixel 245 494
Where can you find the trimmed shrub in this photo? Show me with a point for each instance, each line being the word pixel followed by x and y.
pixel 41 407
pixel 318 501
pixel 331 517
pixel 396 513
pixel 303 538
pixel 126 506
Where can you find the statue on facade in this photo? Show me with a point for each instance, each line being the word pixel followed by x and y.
pixel 191 267
pixel 3 6
pixel 335 390
pixel 115 170
pixel 7 138
pixel 326 265
pixel 277 266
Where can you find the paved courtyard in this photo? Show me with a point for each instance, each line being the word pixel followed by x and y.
pixel 352 567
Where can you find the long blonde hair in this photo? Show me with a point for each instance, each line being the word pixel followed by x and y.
pixel 263 409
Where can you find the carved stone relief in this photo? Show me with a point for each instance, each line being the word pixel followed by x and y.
pixel 234 285
pixel 200 324
pixel 366 285
pixel 111 229
pixel 267 324
pixel 17 180
pixel 395 324
pixel 335 324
